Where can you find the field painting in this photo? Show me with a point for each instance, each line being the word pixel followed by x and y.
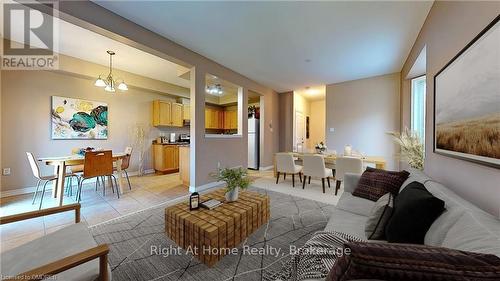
pixel 467 102
pixel 78 119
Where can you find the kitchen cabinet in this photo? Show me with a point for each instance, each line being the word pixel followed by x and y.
pixel 230 120
pixel 186 112
pixel 166 158
pixel 184 164
pixel 167 113
pixel 177 117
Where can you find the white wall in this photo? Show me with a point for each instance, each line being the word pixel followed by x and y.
pixel 361 112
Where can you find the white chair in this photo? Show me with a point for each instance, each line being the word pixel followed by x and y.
pixel 36 173
pixel 314 166
pixel 286 164
pixel 345 165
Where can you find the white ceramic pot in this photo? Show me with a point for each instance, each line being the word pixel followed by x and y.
pixel 232 195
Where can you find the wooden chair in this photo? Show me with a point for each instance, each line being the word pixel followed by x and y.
pixel 286 164
pixel 345 165
pixel 70 253
pixel 126 164
pixel 98 164
pixel 314 166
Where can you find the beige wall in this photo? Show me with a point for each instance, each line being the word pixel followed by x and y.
pixel 286 121
pixel 361 112
pixel 93 17
pixel 449 27
pixel 317 123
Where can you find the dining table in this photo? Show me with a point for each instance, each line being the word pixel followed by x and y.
pixel 61 162
pixel 378 161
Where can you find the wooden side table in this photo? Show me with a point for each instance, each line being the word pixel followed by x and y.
pixel 212 234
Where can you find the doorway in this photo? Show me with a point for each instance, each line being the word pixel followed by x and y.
pixel 299 132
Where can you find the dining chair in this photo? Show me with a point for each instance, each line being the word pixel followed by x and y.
pixel 345 165
pixel 126 164
pixel 98 164
pixel 314 166
pixel 285 164
pixel 36 173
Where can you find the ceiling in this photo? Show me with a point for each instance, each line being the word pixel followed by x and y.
pixel 288 45
pixel 312 93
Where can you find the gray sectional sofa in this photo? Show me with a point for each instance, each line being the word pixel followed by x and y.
pixel 462 226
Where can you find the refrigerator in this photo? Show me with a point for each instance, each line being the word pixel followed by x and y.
pixel 253 143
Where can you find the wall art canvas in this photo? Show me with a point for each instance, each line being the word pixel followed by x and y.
pixel 467 101
pixel 78 119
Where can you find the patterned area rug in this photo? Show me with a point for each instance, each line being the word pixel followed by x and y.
pixel 140 250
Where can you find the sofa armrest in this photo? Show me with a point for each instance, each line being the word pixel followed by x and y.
pixel 53 268
pixel 351 182
pixel 43 212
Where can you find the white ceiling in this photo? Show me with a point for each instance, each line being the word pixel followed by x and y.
pixel 288 45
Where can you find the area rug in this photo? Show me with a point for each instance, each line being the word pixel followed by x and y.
pixel 140 250
pixel 312 191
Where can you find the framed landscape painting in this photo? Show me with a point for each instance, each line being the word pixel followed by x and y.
pixel 78 119
pixel 467 101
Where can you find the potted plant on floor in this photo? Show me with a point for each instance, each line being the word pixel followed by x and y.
pixel 412 149
pixel 235 180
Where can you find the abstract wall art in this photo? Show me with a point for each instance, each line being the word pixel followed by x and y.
pixel 78 119
pixel 467 101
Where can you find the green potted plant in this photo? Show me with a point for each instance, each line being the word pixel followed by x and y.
pixel 235 179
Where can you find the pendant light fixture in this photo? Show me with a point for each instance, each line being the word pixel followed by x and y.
pixel 109 83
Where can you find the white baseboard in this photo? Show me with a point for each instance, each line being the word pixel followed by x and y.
pixel 31 189
pixel 206 186
pixel 266 168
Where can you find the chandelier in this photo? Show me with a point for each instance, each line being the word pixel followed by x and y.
pixel 109 83
pixel 214 89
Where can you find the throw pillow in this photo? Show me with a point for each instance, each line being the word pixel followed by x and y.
pixel 415 209
pixel 412 262
pixel 378 218
pixel 375 182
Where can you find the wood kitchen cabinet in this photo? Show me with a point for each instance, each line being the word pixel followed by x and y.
pixel 166 158
pixel 230 120
pixel 167 113
pixel 186 112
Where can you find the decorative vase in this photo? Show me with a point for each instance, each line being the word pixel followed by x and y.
pixel 348 150
pixel 232 195
pixel 319 151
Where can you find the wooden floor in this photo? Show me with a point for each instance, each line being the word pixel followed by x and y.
pixel 146 191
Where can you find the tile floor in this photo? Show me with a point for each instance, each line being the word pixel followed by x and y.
pixel 146 191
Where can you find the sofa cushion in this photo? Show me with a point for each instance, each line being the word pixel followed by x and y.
pixel 374 183
pixel 470 233
pixel 354 204
pixel 440 227
pixel 379 216
pixel 347 222
pixel 412 262
pixel 415 209
pixel 65 242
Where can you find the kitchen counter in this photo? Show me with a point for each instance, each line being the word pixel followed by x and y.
pixel 173 143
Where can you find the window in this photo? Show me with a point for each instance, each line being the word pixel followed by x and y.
pixel 418 106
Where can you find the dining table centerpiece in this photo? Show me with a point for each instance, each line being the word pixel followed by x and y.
pixel 320 148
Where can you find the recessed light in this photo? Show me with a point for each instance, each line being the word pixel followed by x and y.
pixel 308 60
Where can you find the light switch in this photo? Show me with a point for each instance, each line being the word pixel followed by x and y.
pixel 332 130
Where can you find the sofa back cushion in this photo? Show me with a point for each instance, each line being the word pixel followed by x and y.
pixel 374 183
pixel 471 233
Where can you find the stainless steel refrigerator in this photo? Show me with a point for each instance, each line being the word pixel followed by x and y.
pixel 253 143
